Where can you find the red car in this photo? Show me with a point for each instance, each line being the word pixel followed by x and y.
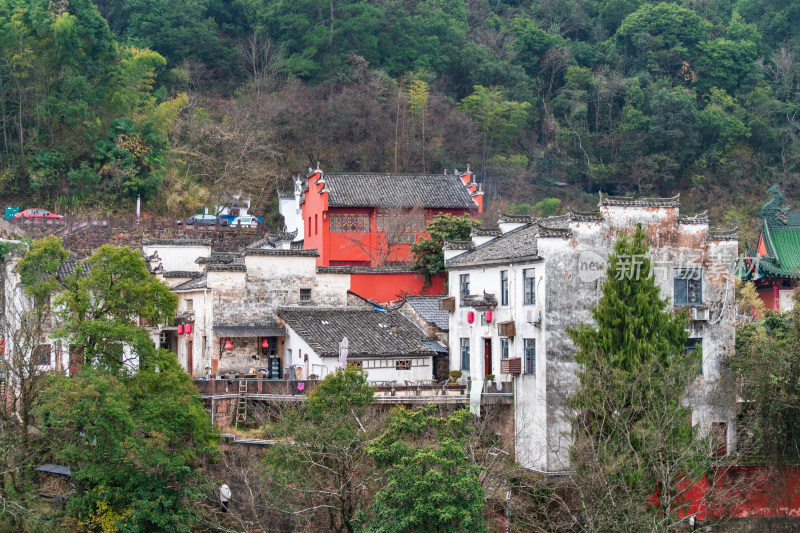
pixel 38 213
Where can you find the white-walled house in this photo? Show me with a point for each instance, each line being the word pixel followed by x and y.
pixel 385 343
pixel 231 307
pixel 539 277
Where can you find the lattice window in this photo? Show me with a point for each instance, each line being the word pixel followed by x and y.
pixel 402 364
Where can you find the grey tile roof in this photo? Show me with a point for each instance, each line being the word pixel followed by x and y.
pixel 445 191
pixel 272 251
pixel 226 267
pixel 517 244
pixel 699 218
pixel 584 216
pixel 369 332
pixel 54 469
pixel 524 219
pixel 629 201
pixel 428 309
pixel 479 231
pixel 436 346
pixel 179 273
pixel 199 282
pixel 724 234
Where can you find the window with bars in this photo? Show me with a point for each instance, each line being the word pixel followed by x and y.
pixel 504 287
pixel 529 286
pixel 349 222
pixel 529 349
pixel 305 295
pixel 504 348
pixel 465 354
pixel 688 286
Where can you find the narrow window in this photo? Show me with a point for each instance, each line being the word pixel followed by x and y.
pixel 529 286
pixel 688 285
pixel 504 347
pixel 316 219
pixel 463 287
pixel 529 346
pixel 504 287
pixel 189 304
pixel 465 354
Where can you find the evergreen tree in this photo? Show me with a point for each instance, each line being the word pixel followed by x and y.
pixel 633 439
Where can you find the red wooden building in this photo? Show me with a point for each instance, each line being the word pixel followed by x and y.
pixel 368 222
pixel 373 219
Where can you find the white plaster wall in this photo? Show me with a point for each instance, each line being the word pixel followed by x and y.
pixel 178 257
pixel 292 213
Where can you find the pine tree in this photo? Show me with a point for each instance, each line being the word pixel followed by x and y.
pixel 633 440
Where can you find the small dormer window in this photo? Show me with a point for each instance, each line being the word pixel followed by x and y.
pixel 305 295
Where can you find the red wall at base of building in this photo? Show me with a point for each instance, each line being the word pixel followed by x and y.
pixel 388 286
pixel 743 492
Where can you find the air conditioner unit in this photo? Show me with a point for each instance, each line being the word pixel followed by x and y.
pixel 534 316
pixel 699 314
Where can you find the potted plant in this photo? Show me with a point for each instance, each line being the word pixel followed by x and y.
pixel 454 376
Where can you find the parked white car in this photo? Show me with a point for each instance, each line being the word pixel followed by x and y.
pixel 246 221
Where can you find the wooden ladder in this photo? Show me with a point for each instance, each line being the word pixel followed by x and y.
pixel 241 405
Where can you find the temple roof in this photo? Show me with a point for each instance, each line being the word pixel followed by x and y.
pixel 779 242
pixel 443 191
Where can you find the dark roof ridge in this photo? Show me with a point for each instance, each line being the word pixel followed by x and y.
pixel 506 217
pixel 644 201
pixel 699 218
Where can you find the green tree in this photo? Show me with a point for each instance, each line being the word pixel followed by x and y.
pixel 99 303
pixel 430 484
pixel 659 37
pixel 632 433
pixel 765 362
pixel 132 442
pixel 319 462
pixel 428 254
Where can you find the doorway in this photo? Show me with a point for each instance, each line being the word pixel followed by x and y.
pixel 487 357
pixel 189 358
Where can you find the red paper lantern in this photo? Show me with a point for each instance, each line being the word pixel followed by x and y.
pixel 470 317
pixel 188 329
pixel 228 344
pixel 180 329
pixel 265 343
pixel 488 317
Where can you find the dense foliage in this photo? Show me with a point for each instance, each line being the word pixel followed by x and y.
pixel 766 363
pixel 621 95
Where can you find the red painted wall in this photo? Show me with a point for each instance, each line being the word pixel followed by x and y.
pixel 743 492
pixel 388 286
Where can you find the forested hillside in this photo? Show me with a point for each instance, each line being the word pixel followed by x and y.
pixel 180 100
